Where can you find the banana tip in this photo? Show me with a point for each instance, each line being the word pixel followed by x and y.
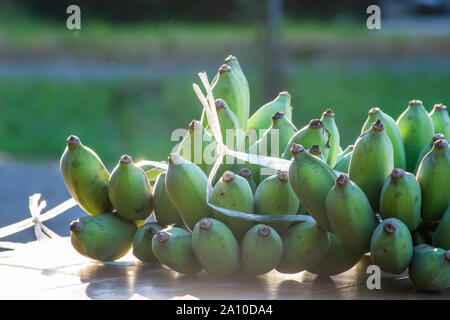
pixel 389 227
pixel 378 125
pixel 205 224
pixel 264 231
pixel 73 141
pixel 342 180
pixel 220 104
pixel 283 176
pixel 315 124
pixel 126 159
pixel 297 148
pixel 441 144
pixel 228 176
pixel 415 102
pixel 328 113
pixel 374 111
pixel 224 68
pixel 397 173
pixel 439 107
pixel 277 115
pixel 150 232
pixel 245 173
pixel 316 150
pixel 162 237
pixel 75 227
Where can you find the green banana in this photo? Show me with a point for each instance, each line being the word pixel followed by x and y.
pixel 393 133
pixel 316 151
pixel 345 152
pixel 261 250
pixel 430 268
pixel 343 164
pixel 304 245
pixel 436 137
pixel 417 130
pixel 261 119
pixel 142 242
pixel 311 179
pixel 335 140
pixel 401 198
pixel 441 237
pixel 371 162
pixel 274 196
pixel 233 62
pixel 165 211
pixel 186 185
pixel 350 215
pixel 215 247
pixel 338 259
pixel 228 124
pixel 229 88
pixel 314 133
pixel 247 174
pixel 233 192
pixel 198 147
pixel 129 190
pixel 103 237
pixel 86 177
pixel 272 143
pixel 441 120
pixel 173 247
pixel 433 176
pixel 391 246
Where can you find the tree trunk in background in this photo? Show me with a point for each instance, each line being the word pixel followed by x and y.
pixel 272 48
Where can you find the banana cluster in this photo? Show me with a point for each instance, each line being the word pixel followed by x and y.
pixel 387 194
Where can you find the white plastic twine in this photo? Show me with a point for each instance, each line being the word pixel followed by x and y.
pixel 36 207
pixel 222 150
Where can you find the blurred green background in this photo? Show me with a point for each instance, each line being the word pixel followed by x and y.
pixel 123 82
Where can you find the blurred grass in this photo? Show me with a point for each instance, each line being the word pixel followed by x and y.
pixel 136 115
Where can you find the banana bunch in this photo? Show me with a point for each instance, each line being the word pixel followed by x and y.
pixel 387 194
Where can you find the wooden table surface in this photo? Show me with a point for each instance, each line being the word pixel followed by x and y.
pixel 54 270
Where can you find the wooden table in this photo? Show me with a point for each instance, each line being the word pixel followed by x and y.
pixel 54 270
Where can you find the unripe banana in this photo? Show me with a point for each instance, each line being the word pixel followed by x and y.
pixel 417 130
pixel 311 179
pixel 391 246
pixel 275 196
pixel 229 88
pixel 304 245
pixel 316 151
pixel 343 163
pixel 103 237
pixel 233 62
pixel 430 268
pixel 165 211
pixel 313 134
pixel 186 185
pixel 228 124
pixel 335 140
pixel 129 190
pixel 338 259
pixel 371 162
pixel 173 247
pixel 215 247
pixel 441 237
pixel 261 119
pixel 350 215
pixel 247 175
pixel 272 143
pixel 198 147
pixel 393 133
pixel 142 242
pixel 233 192
pixel 441 120
pixel 433 176
pixel 86 177
pixel 436 137
pixel 401 198
pixel 261 250
pixel 345 152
